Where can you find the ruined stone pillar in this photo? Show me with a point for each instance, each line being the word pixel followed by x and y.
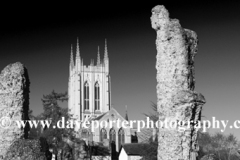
pixel 177 101
pixel 14 104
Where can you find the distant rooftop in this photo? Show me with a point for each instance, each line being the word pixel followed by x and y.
pixel 134 148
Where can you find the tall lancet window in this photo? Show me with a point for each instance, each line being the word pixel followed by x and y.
pixel 103 134
pixel 112 135
pixel 97 96
pixel 86 96
pixel 121 137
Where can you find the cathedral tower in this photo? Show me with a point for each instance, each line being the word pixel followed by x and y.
pixel 89 86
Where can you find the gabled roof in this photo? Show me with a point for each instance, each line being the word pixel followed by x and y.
pixel 135 149
pixel 112 110
pixel 99 117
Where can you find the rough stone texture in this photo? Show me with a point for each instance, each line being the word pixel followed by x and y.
pixel 23 149
pixel 14 103
pixel 177 101
pixel 209 157
pixel 79 150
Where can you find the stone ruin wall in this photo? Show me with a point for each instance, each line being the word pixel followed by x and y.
pixel 14 103
pixel 176 98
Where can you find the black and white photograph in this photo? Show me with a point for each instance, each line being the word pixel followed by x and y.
pixel 120 81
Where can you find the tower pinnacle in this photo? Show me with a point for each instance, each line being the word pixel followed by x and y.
pixel 105 51
pixel 98 57
pixel 71 58
pixel 78 50
pixel 126 116
pixel 78 58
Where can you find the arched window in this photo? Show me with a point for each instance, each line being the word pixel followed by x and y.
pixel 85 134
pixel 86 96
pixel 112 135
pixel 97 96
pixel 90 136
pixel 103 134
pixel 121 137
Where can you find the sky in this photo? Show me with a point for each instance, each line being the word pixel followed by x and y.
pixel 41 36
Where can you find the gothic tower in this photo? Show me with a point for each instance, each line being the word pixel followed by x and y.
pixel 89 86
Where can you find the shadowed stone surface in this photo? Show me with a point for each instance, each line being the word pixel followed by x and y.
pixel 14 103
pixel 209 157
pixel 23 149
pixel 177 100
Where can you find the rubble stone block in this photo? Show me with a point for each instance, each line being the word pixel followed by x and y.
pixel 176 98
pixel 14 104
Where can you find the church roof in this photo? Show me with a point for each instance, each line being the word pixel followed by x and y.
pixel 134 148
pixel 99 117
pixel 111 111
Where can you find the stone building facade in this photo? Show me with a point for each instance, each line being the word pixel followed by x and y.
pixel 89 86
pixel 89 90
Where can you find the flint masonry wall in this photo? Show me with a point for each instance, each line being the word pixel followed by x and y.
pixel 176 48
pixel 14 103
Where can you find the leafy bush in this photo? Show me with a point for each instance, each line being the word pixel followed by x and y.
pixel 23 149
pixel 224 147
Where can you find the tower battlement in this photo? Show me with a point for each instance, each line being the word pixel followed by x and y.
pixel 89 88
